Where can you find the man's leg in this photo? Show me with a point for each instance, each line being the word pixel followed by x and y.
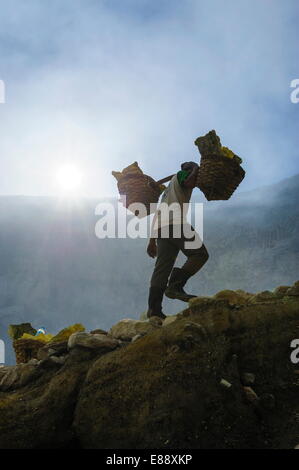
pixel 166 255
pixel 196 259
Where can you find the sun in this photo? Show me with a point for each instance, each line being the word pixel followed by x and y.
pixel 69 178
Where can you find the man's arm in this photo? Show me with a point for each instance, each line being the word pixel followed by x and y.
pixel 152 248
pixel 152 245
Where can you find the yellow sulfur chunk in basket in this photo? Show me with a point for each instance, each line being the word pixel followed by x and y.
pixel 41 337
pixel 227 152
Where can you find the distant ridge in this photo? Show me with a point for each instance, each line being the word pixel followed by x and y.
pixel 53 268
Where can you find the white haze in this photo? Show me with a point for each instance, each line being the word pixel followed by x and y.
pixel 100 84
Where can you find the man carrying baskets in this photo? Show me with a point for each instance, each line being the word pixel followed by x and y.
pixel 169 237
pixel 218 176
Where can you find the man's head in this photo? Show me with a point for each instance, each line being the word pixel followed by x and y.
pixel 187 166
pixel 192 169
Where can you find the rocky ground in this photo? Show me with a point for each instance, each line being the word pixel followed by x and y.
pixel 217 375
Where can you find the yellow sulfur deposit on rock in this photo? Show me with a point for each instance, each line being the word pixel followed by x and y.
pixel 64 334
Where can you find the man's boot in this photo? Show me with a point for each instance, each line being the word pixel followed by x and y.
pixel 155 303
pixel 177 281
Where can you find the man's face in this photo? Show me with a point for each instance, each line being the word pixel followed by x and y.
pixel 187 166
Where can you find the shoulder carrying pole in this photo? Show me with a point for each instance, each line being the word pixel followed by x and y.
pixel 165 180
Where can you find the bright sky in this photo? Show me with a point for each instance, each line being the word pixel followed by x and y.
pixel 97 84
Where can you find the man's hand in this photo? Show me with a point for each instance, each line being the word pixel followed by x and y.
pixel 152 248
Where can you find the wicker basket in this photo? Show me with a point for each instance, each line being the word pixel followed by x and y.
pixel 218 175
pixel 26 349
pixel 137 187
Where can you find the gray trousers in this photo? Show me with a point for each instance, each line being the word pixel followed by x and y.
pixel 167 252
